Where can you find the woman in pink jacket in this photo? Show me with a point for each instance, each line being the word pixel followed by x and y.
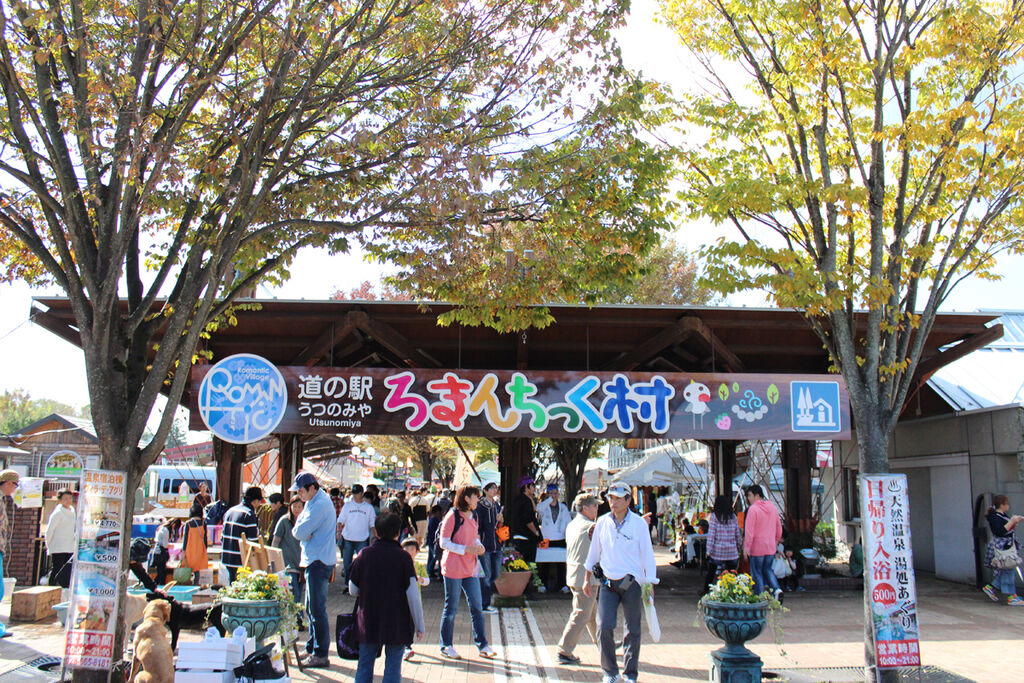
pixel 762 531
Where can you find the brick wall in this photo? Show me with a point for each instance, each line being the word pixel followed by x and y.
pixel 23 554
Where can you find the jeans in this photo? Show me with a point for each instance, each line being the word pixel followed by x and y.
pixel 452 588
pixel 761 571
pixel 350 549
pixel 298 590
pixel 317 576
pixel 432 559
pixel 608 601
pixel 1 572
pixel 392 663
pixel 1005 581
pixel 491 562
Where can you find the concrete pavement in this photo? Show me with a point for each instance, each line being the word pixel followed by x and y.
pixel 822 639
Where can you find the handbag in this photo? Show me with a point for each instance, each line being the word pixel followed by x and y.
pixel 347 636
pixel 258 666
pixel 1005 558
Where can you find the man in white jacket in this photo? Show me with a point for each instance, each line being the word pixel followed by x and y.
pixel 60 536
pixel 554 520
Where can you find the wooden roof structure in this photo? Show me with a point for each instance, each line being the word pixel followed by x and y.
pixel 615 338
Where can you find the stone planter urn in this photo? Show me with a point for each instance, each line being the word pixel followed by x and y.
pixel 512 584
pixel 735 623
pixel 259 618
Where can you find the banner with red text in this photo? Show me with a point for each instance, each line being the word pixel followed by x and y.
pixel 889 569
pixel 92 614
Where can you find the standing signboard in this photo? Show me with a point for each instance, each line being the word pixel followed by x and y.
pixel 889 569
pixel 92 615
pixel 29 493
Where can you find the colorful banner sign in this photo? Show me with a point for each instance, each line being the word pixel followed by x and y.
pixel 889 569
pixel 63 464
pixel 92 614
pixel 535 403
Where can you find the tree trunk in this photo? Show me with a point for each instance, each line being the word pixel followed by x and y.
pixel 571 456
pixel 873 451
pixel 427 467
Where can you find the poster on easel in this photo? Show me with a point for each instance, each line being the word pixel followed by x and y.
pixel 92 614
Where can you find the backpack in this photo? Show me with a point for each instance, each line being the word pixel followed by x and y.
pixel 214 512
pixel 437 538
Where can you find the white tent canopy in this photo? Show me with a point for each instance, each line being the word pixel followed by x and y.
pixel 661 469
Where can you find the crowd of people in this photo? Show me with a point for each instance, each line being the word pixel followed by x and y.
pixel 600 551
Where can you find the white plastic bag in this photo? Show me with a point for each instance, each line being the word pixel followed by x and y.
pixel 652 622
pixel 651 615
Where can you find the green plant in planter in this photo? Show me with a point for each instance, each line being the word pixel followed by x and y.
pixel 738 589
pixel 259 585
pixel 825 540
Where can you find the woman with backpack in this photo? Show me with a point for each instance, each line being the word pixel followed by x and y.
pixel 998 555
pixel 460 568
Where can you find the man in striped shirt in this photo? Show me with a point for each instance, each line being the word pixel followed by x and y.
pixel 240 521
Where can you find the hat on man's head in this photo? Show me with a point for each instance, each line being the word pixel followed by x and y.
pixel 302 480
pixel 525 481
pixel 620 490
pixel 552 487
pixel 9 475
pixel 488 484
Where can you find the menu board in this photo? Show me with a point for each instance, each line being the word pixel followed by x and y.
pixel 889 570
pixel 92 614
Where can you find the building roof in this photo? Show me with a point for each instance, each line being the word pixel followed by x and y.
pixel 69 423
pixel 989 377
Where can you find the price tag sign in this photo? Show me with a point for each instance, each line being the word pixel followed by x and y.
pixel 92 614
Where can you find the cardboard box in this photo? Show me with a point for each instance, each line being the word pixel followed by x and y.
pixel 204 677
pixel 217 654
pixel 34 604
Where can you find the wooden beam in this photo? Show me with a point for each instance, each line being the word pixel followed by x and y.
pixel 928 367
pixel 393 340
pixel 56 325
pixel 718 350
pixel 646 350
pixel 328 339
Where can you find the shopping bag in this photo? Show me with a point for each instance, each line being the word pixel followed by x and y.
pixel 650 614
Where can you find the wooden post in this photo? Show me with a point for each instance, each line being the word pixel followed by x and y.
pixel 797 459
pixel 230 458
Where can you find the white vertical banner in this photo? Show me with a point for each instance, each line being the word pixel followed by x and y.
pixel 92 614
pixel 889 569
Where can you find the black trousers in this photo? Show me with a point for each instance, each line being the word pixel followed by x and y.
pixel 714 569
pixel 546 569
pixel 57 562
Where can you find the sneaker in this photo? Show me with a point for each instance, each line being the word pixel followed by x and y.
pixel 542 589
pixel 801 589
pixel 315 662
pixel 449 652
pixel 626 679
pixel 778 595
pixel 409 652
pixel 567 659
pixel 991 593
pixel 565 589
pixel 610 679
pixel 488 652
pixel 1015 600
pixel 489 610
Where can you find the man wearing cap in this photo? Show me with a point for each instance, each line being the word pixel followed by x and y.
pixel 240 521
pixel 621 547
pixel 554 520
pixel 577 538
pixel 354 523
pixel 314 530
pixel 523 521
pixel 8 484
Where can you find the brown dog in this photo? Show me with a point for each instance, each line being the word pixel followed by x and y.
pixel 154 660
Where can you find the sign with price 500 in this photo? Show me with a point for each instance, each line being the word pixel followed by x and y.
pixel 92 614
